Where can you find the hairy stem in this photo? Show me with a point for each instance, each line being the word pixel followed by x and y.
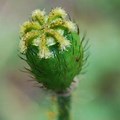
pixel 64 105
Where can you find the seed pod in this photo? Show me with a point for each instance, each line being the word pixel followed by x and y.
pixel 53 48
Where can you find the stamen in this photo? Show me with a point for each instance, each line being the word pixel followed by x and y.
pixel 63 42
pixel 29 26
pixel 44 52
pixel 39 16
pixel 56 13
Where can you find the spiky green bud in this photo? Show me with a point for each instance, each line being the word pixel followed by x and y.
pixel 53 48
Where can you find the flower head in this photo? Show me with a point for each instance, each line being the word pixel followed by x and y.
pixel 51 26
pixel 52 48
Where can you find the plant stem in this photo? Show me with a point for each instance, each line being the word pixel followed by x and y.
pixel 64 105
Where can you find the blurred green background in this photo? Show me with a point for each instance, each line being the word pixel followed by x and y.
pixel 98 94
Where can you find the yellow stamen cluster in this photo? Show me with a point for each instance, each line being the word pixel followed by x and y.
pixel 70 26
pixel 26 39
pixel 29 26
pixel 59 38
pixel 46 30
pixel 44 51
pixel 57 13
pixel 39 16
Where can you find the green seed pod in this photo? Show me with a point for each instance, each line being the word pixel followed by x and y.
pixel 53 48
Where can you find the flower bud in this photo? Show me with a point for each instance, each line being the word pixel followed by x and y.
pixel 53 48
